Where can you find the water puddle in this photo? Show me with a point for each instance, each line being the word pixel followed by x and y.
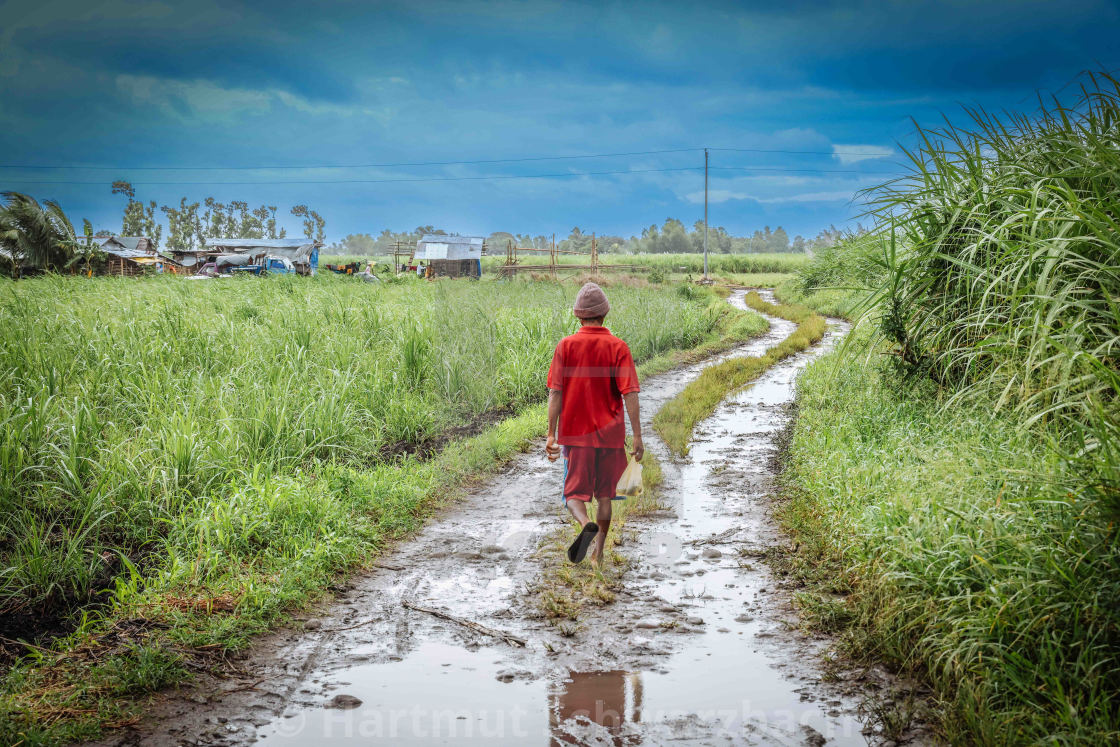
pixel 440 693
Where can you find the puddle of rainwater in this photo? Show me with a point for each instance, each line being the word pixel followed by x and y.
pixel 438 694
pixel 599 704
pixel 443 694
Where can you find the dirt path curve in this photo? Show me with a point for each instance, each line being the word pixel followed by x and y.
pixel 700 649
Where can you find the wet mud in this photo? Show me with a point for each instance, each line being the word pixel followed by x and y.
pixel 701 647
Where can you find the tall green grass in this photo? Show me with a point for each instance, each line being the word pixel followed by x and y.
pixel 942 539
pixel 955 469
pixel 126 405
pixel 1002 255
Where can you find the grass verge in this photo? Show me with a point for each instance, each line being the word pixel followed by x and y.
pixel 837 302
pixel 947 540
pixel 679 416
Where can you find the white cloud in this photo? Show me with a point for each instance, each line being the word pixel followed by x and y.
pixel 718 195
pixel 207 100
pixel 857 153
pixel 844 196
pixel 199 97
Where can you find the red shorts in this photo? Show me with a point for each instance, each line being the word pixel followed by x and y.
pixel 589 471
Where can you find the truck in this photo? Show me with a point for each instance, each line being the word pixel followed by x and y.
pixel 266 265
pixel 269 266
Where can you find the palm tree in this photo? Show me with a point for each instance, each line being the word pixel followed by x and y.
pixel 34 235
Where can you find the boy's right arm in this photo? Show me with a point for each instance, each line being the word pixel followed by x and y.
pixel 555 402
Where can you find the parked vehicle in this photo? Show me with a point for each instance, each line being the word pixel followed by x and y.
pixel 278 266
pixel 267 266
pixel 210 270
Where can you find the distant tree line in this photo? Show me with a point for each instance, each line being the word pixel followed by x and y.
pixel 190 223
pixel 671 237
pixel 384 243
pixel 36 236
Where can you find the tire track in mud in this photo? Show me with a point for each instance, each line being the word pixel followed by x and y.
pixel 701 647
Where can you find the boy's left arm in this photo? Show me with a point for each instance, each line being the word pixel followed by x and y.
pixel 626 379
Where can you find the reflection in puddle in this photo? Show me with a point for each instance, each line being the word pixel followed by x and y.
pixel 608 699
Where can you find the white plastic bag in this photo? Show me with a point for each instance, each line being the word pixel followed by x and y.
pixel 630 484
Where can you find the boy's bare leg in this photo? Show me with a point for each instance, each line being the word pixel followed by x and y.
pixel 603 519
pixel 578 510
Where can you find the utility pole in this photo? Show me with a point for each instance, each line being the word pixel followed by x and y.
pixel 705 214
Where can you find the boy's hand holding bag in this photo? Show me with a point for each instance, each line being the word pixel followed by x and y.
pixel 630 484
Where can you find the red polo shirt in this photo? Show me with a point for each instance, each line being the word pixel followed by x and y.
pixel 593 369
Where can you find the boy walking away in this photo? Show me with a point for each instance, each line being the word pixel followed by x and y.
pixel 591 378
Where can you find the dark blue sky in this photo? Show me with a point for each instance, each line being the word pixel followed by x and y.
pixel 212 83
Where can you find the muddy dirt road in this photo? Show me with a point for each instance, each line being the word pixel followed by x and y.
pixel 701 648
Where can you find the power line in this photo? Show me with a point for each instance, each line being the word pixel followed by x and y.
pixel 355 165
pixel 878 153
pixel 404 164
pixel 469 178
pixel 386 181
pixel 812 171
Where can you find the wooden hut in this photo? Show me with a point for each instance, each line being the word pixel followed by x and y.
pixel 134 255
pixel 451 256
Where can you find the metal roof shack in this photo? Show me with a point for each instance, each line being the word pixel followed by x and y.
pixel 133 255
pixel 449 247
pixel 302 253
pixel 136 243
pixel 451 256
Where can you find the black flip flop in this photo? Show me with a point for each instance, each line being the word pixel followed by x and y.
pixel 579 548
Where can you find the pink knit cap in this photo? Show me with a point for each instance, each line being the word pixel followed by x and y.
pixel 591 301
